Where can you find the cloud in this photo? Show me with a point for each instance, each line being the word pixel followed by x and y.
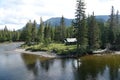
pixel 18 12
pixel 101 7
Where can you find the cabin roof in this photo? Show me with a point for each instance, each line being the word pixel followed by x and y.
pixel 70 40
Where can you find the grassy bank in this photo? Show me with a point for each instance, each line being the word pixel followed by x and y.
pixel 58 48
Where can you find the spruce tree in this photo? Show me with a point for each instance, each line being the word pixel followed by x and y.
pixel 34 31
pixel 93 33
pixel 40 34
pixel 5 31
pixel 62 28
pixel 103 33
pixel 70 32
pixel 57 34
pixel 80 25
pixel 47 31
pixel 47 34
pixel 52 33
pixel 117 23
pixel 117 30
pixel 28 33
pixel 111 36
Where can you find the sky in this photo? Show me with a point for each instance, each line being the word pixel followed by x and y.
pixel 16 13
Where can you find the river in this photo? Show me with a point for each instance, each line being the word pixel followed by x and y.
pixel 18 66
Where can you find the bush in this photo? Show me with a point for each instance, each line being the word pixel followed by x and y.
pixel 54 47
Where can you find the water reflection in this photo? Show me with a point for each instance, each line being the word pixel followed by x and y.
pixel 90 68
pixel 34 62
pixel 20 66
pixel 48 69
pixel 99 68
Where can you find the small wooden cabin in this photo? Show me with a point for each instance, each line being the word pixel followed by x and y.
pixel 70 41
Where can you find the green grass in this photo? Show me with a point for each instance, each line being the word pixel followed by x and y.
pixel 59 48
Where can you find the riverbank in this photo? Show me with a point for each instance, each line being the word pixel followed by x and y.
pixel 40 53
pixel 57 50
pixel 54 55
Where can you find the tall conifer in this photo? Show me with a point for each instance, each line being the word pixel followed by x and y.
pixel 80 25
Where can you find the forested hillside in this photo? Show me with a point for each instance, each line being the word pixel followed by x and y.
pixel 91 33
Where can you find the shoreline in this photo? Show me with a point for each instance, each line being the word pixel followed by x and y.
pixel 39 53
pixel 44 53
pixel 53 55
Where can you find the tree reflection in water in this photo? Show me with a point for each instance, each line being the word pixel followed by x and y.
pixel 99 68
pixel 34 63
pixel 90 68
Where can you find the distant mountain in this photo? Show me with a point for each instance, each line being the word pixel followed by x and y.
pixel 102 17
pixel 56 21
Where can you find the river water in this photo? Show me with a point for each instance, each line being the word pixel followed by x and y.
pixel 19 66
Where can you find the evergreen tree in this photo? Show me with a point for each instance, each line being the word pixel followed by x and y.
pixel 15 35
pixel 28 34
pixel 80 25
pixel 70 32
pixel 62 29
pixel 57 34
pixel 23 34
pixel 117 19
pixel 34 31
pixel 93 33
pixel 47 33
pixel 40 34
pixel 5 34
pixel 117 23
pixel 103 33
pixel 111 36
pixel 52 33
pixel 117 31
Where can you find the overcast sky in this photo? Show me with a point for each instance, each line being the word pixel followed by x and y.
pixel 15 13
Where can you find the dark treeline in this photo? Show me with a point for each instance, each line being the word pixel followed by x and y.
pixel 93 34
pixel 6 35
pixel 46 33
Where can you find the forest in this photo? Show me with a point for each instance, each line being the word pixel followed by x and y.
pixel 91 33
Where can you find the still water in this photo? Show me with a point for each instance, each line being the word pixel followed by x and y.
pixel 19 66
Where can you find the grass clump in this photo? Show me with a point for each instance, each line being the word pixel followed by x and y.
pixel 58 48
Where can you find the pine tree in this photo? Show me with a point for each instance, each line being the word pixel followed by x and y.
pixel 117 30
pixel 70 32
pixel 93 33
pixel 62 29
pixel 15 35
pixel 34 31
pixel 117 23
pixel 5 31
pixel 40 34
pixel 47 34
pixel 28 33
pixel 103 33
pixel 111 36
pixel 46 31
pixel 52 33
pixel 57 34
pixel 80 25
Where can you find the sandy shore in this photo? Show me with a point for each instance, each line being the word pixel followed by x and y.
pixel 113 53
pixel 40 53
pixel 117 52
pixel 53 55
